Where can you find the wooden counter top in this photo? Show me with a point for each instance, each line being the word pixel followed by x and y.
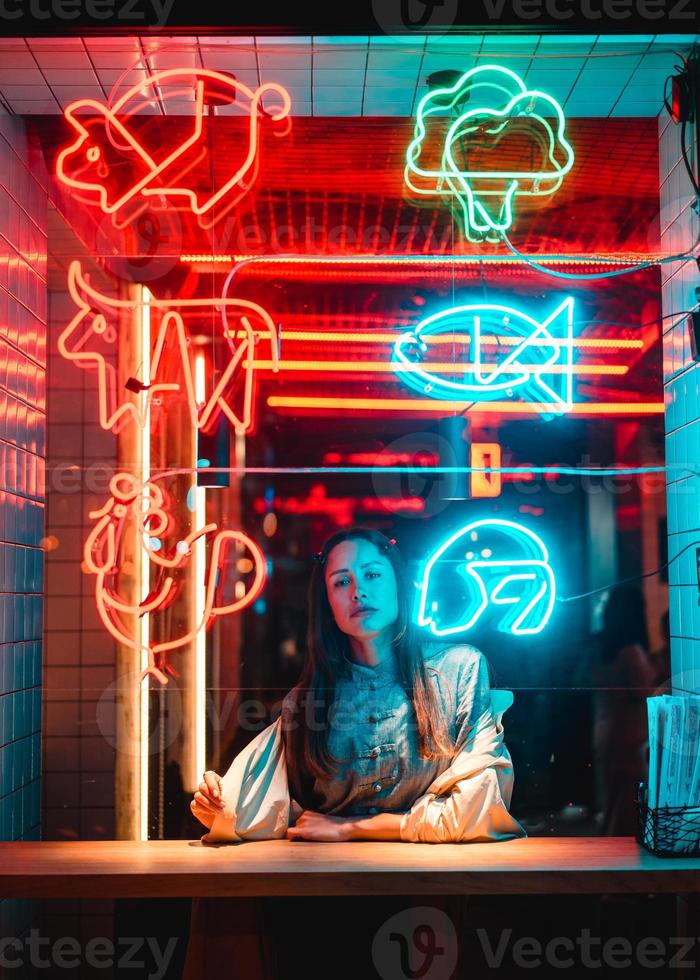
pixel 536 865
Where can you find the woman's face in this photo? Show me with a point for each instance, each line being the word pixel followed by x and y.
pixel 361 587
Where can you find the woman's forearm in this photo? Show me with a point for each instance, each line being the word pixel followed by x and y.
pixel 382 826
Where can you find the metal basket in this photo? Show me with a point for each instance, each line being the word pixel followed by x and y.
pixel 667 831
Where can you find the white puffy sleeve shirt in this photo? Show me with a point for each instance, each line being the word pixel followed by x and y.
pixel 373 733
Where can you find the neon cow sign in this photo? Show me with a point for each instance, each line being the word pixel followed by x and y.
pixel 90 326
pixel 111 140
pixel 146 505
pixel 488 563
pixel 510 353
pixel 476 167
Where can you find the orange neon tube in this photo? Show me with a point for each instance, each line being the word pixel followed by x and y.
pixel 379 337
pixel 441 407
pixel 386 367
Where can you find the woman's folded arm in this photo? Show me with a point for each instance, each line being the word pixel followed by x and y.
pixel 255 792
pixel 469 801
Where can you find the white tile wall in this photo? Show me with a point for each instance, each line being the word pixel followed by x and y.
pixel 680 227
pixel 23 220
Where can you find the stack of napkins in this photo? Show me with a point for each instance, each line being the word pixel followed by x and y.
pixel 674 750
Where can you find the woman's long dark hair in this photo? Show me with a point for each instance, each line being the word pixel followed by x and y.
pixel 329 650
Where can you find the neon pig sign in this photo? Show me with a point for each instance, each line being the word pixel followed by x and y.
pixel 475 166
pixel 146 504
pixel 510 354
pixel 495 564
pixel 111 140
pixel 92 326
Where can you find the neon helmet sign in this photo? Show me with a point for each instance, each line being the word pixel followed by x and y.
pixel 488 565
pixel 507 353
pixel 484 160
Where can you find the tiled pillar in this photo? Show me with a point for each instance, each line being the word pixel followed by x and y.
pixel 78 766
pixel 679 230
pixel 23 216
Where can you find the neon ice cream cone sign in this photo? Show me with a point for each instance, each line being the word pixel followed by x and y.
pixel 474 167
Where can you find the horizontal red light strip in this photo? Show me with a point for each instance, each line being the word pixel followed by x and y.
pixel 442 407
pixel 583 343
pixel 626 258
pixel 387 367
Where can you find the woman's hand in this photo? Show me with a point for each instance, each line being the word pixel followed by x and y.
pixel 320 827
pixel 207 800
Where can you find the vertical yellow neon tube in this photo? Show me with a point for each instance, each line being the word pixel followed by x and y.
pixel 144 622
pixel 200 571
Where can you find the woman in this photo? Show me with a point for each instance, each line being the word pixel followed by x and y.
pixel 386 736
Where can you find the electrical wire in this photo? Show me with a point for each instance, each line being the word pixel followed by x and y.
pixel 686 161
pixel 602 275
pixel 238 267
pixel 632 578
pixel 686 79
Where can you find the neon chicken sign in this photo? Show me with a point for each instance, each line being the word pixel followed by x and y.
pixel 115 409
pixel 510 142
pixel 146 505
pixel 112 140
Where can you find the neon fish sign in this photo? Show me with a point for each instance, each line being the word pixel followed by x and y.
pixel 146 505
pixel 91 327
pixel 510 354
pixel 109 142
pixel 495 564
pixel 509 143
